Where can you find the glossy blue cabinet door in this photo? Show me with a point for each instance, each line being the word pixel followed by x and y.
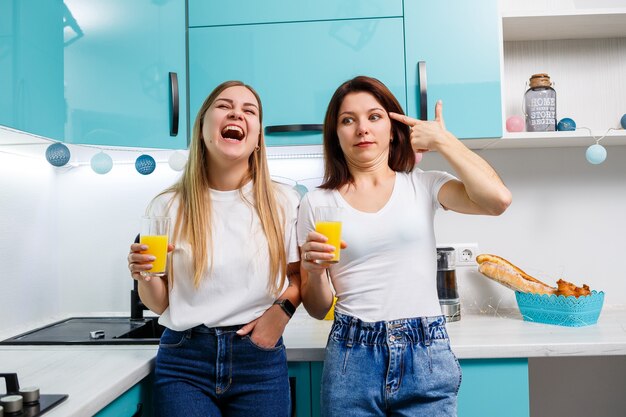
pixel 490 388
pixel 460 43
pixel 31 67
pixel 139 397
pixel 300 374
pixel 210 13
pixel 95 71
pixel 494 388
pixel 296 67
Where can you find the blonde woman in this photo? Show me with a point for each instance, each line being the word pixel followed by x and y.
pixel 233 280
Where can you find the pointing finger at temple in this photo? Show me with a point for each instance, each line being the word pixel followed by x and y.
pixel 409 121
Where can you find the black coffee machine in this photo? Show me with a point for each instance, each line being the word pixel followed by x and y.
pixel 446 284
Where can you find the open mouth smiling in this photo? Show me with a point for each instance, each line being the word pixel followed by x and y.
pixel 233 132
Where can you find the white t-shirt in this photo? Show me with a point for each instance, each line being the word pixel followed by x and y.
pixel 234 290
pixel 389 269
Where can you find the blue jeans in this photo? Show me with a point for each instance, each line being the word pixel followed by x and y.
pixel 213 372
pixel 395 368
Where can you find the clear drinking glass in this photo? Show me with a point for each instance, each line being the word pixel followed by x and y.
pixel 155 233
pixel 328 223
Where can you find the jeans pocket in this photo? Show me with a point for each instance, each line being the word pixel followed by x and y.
pixel 458 365
pixel 279 345
pixel 172 338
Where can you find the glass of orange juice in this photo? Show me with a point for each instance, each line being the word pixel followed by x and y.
pixel 328 223
pixel 331 313
pixel 155 233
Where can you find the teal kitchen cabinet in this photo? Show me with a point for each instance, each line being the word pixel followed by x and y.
pixel 494 388
pixel 300 383
pixel 104 72
pixel 296 67
pixel 460 42
pixel 205 13
pixel 490 388
pixel 136 402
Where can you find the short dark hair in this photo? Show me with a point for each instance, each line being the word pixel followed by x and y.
pixel 401 156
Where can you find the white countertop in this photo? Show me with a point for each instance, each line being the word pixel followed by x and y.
pixel 94 376
pixel 476 336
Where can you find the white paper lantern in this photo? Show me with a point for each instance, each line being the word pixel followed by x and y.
pixel 177 161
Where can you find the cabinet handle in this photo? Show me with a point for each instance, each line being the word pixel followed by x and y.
pixel 174 103
pixel 423 95
pixel 293 128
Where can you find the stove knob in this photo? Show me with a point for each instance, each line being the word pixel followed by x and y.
pixel 30 394
pixel 12 403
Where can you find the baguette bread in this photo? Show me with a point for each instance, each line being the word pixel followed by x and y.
pixel 507 274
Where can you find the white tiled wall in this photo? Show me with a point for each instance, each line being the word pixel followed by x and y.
pixel 65 233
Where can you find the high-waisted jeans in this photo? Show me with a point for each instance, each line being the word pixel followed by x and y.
pixel 389 368
pixel 213 372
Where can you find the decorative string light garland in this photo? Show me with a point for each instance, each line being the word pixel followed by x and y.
pixel 596 153
pixel 300 188
pixel 58 154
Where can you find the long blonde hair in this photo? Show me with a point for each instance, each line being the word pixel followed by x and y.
pixel 193 219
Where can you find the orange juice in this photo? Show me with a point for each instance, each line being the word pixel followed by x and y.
pixel 332 230
pixel 331 313
pixel 157 246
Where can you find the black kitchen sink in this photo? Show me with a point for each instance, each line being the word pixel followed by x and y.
pixel 93 331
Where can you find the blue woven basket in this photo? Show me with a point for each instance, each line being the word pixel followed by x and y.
pixel 560 310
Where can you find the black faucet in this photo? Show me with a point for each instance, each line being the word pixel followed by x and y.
pixel 136 305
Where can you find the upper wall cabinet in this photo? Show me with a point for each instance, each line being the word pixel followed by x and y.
pixel 296 67
pixel 104 72
pixel 460 44
pixel 208 13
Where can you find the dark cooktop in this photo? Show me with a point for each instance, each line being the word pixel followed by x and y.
pixel 46 403
pixel 40 403
pixel 92 331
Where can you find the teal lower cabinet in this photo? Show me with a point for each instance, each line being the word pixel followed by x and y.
pixel 490 388
pixel 300 382
pixel 136 402
pixel 494 388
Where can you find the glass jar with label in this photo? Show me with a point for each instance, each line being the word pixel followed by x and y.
pixel 540 105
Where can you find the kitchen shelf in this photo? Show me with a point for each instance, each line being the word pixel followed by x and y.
pixel 522 140
pixel 564 24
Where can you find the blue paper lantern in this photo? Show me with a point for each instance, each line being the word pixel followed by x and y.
pixel 301 189
pixel 145 164
pixel 596 154
pixel 623 121
pixel 566 124
pixel 101 163
pixel 58 154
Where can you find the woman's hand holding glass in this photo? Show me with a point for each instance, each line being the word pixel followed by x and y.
pixel 316 253
pixel 139 262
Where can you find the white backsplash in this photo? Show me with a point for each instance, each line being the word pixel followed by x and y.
pixel 65 232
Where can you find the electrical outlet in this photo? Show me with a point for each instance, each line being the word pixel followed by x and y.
pixel 465 253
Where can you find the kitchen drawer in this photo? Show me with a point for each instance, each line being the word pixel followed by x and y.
pixel 212 13
pixel 296 67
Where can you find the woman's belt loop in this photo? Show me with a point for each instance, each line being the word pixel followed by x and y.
pixel 351 332
pixel 425 331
